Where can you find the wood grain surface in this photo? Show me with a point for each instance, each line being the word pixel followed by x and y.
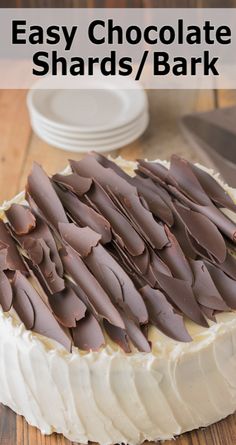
pixel 19 146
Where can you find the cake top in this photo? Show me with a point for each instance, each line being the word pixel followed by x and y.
pixel 98 252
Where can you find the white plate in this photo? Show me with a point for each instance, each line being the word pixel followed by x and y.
pixel 88 139
pixel 88 110
pixel 85 135
pixel 93 142
pixel 106 146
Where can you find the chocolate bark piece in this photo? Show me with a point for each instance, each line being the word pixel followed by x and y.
pixel 117 335
pixel 204 288
pixel 40 189
pixel 98 298
pixel 10 258
pixel 173 256
pixel 84 215
pixel 40 231
pixel 203 231
pixel 155 202
pixel 213 189
pixel 35 313
pixel 226 225
pixel 21 219
pixel 6 296
pixel 73 182
pixel 106 270
pixel 163 316
pixel 124 232
pixel 225 285
pixel 181 295
pixel 39 253
pixel 88 335
pixel 135 334
pixel 67 307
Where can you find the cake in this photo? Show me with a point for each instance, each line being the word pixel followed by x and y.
pixel 118 298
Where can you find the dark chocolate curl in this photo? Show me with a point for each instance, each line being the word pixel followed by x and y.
pixel 136 335
pixel 123 230
pixel 106 270
pixel 181 294
pixel 153 232
pixel 73 182
pixel 44 322
pixel 228 266
pixel 155 202
pixel 213 189
pixel 204 288
pixel 97 297
pixel 88 335
pixel 157 170
pixel 84 215
pixel 181 171
pixel 225 285
pixel 117 335
pixel 39 254
pixel 203 231
pixel 173 256
pixel 42 232
pixel 39 187
pixel 162 315
pixel 21 219
pixel 67 307
pixel 6 295
pixel 13 259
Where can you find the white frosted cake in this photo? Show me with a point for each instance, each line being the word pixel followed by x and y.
pixel 118 291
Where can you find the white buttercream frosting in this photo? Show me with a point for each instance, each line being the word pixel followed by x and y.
pixel 112 397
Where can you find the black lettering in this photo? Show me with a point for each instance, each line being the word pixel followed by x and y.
pixel 53 35
pixel 39 62
pixel 125 65
pixel 223 35
pixel 209 65
pixel 161 65
pixel 69 36
pixel 36 37
pixel 16 30
pixel 91 32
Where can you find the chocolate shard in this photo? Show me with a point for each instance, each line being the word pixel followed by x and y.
pixel 84 215
pixel 213 189
pixel 105 269
pixel 155 202
pixel 40 189
pixel 123 230
pixel 181 294
pixel 98 298
pixel 228 266
pixel 225 285
pixel 88 335
pixel 44 322
pixel 181 234
pixel 181 171
pixel 163 316
pixel 74 183
pixel 136 335
pixel 157 170
pixel 173 256
pixel 117 335
pixel 6 296
pixel 21 219
pixel 203 231
pixel 39 254
pixel 42 232
pixel 10 258
pixel 67 307
pixel 152 230
pixel 204 288
pixel 89 167
pixel 209 313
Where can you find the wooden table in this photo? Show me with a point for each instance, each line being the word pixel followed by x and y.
pixel 19 147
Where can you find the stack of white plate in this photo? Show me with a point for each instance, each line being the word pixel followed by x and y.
pixel 98 117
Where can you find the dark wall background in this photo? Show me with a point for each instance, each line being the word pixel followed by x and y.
pixel 117 3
